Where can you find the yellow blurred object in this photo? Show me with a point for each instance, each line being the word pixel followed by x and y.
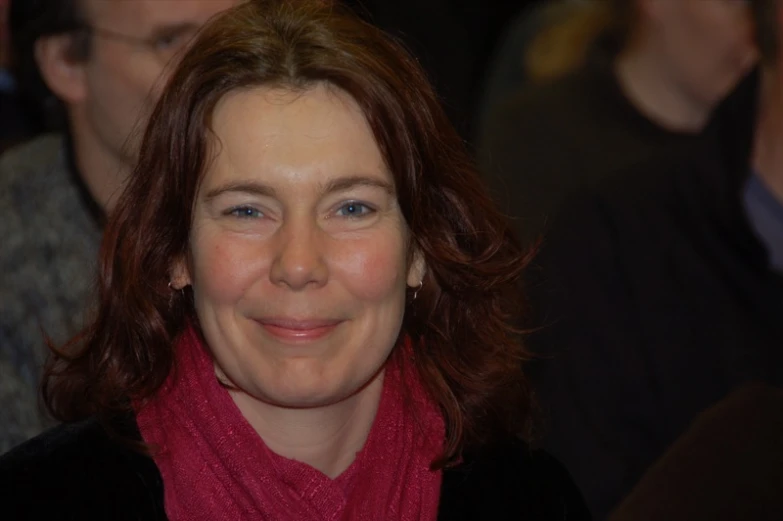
pixel 563 43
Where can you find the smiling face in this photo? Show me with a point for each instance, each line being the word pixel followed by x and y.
pixel 298 249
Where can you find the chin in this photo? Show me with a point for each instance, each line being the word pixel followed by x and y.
pixel 303 398
pixel 310 393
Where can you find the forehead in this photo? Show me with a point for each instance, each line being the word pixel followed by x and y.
pixel 144 15
pixel 302 137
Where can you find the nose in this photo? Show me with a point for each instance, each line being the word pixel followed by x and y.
pixel 299 257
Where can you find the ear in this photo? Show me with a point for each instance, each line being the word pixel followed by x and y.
pixel 417 269
pixel 63 74
pixel 180 275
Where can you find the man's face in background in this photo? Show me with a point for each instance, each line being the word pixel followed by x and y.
pixel 134 46
pixel 709 44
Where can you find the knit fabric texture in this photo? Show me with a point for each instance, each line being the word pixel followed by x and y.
pixel 50 239
pixel 216 467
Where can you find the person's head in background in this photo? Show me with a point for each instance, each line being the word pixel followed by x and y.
pixel 675 59
pixel 679 58
pixel 100 65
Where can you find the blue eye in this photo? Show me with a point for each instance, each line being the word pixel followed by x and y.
pixel 245 212
pixel 354 209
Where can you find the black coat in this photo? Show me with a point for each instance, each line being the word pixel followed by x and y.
pixel 657 301
pixel 550 141
pixel 81 472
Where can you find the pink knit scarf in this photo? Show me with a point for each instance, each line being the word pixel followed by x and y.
pixel 215 466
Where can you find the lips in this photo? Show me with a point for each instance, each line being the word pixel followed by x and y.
pixel 293 330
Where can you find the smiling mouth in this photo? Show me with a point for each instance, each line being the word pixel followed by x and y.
pixel 298 331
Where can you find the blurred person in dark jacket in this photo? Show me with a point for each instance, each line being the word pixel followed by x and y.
pixel 647 87
pixel 659 292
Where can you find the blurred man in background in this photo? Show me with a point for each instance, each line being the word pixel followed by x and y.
pixel 647 86
pixel 660 295
pixel 96 68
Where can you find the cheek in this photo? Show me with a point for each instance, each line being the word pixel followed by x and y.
pixel 372 270
pixel 222 269
pixel 139 79
pixel 723 30
pixel 151 81
pixel 710 51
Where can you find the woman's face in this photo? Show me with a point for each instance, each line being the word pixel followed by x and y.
pixel 298 249
pixel 708 44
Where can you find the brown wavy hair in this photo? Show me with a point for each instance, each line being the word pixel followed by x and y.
pixel 468 352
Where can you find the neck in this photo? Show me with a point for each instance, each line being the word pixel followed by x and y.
pixel 326 438
pixel 649 86
pixel 767 152
pixel 103 172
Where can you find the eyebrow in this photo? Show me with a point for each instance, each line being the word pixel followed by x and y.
pixel 346 183
pixel 335 185
pixel 246 187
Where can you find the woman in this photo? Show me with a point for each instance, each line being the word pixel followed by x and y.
pixel 305 304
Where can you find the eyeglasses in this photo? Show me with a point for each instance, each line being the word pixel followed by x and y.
pixel 164 45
